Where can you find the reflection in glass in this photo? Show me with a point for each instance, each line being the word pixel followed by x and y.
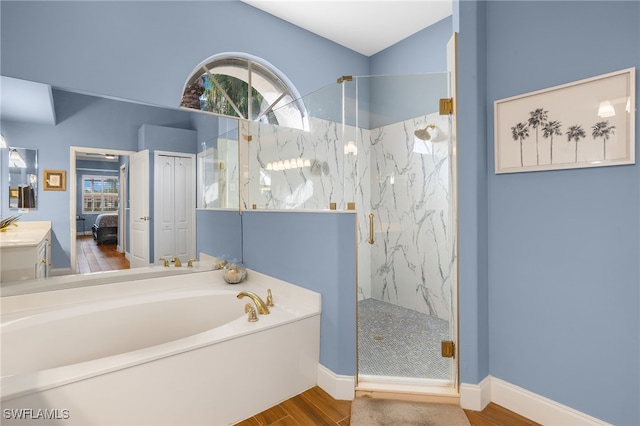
pixel 218 186
pixel 23 178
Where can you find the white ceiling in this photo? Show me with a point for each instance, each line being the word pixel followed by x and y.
pixel 365 26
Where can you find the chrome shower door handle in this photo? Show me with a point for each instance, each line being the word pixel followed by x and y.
pixel 371 241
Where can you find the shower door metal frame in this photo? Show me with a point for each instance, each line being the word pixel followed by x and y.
pixel 367 386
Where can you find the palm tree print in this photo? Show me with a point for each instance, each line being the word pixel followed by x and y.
pixel 602 130
pixel 550 129
pixel 575 132
pixel 537 118
pixel 519 132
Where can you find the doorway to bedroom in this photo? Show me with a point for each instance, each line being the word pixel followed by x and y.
pixel 98 209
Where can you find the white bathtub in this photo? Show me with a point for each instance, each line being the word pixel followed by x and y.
pixel 156 351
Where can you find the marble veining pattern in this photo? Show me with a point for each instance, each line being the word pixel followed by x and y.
pixel 404 181
pixel 314 185
pixel 410 196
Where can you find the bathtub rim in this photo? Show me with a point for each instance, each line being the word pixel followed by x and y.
pixel 65 282
pixel 39 315
pixel 256 281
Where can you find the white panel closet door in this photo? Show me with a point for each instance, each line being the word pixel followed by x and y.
pixel 183 195
pixel 174 207
pixel 164 196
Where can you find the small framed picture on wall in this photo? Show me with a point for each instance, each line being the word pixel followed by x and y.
pixel 55 180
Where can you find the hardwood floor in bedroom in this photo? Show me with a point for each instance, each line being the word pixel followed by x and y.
pixel 91 257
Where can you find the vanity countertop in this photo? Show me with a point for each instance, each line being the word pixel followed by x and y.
pixel 26 234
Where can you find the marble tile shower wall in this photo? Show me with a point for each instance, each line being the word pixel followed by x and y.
pixel 402 180
pixel 296 169
pixel 413 258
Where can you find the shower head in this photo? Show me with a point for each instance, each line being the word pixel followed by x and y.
pixel 426 134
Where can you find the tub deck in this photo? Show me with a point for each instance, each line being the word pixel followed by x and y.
pixel 227 368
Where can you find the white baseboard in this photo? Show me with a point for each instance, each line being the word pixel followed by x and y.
pixel 475 397
pixel 526 403
pixel 339 387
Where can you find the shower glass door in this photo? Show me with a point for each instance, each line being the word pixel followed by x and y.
pixel 399 171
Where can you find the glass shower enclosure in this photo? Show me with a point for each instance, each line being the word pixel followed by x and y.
pixel 378 145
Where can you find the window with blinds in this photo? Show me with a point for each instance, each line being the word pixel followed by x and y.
pixel 99 194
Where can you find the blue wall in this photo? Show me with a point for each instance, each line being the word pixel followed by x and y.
pixel 564 245
pixel 472 192
pixel 146 50
pixel 549 279
pixel 142 60
pixel 219 234
pixel 316 251
pixel 422 52
pixel 167 138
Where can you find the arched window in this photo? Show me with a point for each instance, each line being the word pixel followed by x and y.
pixel 244 86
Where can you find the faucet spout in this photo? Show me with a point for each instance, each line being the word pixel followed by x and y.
pixel 262 307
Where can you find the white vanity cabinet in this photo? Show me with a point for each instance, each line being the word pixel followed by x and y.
pixel 25 251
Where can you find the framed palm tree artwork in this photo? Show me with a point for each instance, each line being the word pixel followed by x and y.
pixel 586 123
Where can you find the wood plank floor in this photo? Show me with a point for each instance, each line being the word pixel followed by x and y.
pixel 91 257
pixel 312 407
pixel 495 415
pixel 316 407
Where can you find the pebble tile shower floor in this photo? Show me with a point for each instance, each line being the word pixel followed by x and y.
pixel 399 342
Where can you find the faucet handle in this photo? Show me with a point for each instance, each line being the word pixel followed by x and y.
pixel 190 262
pixel 177 262
pixel 253 317
pixel 269 298
pixel 166 262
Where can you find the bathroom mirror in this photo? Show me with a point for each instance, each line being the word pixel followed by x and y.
pixel 23 178
pixel 86 123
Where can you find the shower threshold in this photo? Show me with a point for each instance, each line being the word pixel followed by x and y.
pixel 421 390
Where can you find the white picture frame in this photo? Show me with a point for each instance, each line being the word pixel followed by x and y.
pixel 586 123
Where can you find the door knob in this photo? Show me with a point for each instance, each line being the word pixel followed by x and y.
pixel 145 218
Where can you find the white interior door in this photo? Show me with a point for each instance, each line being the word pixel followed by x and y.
pixel 139 193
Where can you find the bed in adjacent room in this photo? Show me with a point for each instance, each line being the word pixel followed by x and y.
pixel 105 228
